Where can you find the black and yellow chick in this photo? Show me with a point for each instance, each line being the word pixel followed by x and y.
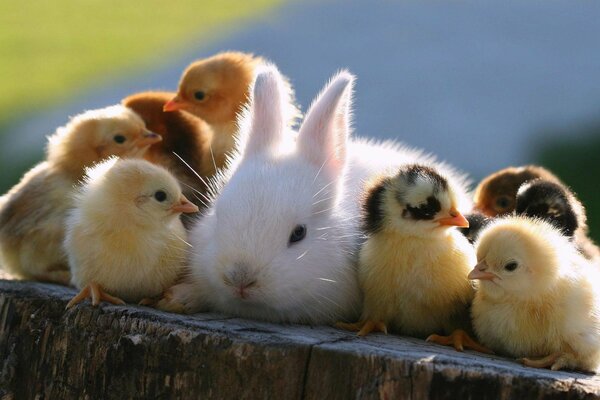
pixel 414 265
pixel 555 203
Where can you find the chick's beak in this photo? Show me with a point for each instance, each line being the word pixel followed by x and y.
pixel 455 219
pixel 174 104
pixel 479 272
pixel 184 206
pixel 149 138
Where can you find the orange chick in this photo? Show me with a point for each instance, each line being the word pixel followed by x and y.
pixel 33 212
pixel 216 89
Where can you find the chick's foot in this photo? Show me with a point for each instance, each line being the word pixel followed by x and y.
pixel 555 361
pixel 363 327
pixel 459 339
pixel 97 294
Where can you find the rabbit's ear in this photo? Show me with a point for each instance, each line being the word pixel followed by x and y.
pixel 324 133
pixel 267 111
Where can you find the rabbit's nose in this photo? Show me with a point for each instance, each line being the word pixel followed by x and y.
pixel 240 275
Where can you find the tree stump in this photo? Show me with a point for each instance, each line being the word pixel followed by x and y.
pixel 118 352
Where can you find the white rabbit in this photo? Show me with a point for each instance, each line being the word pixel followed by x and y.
pixel 279 242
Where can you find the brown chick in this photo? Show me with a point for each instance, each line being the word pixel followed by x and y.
pixel 185 148
pixel 496 194
pixel 216 89
pixel 33 212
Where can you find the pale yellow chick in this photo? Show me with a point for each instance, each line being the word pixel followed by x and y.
pixel 125 240
pixel 33 212
pixel 413 267
pixel 539 298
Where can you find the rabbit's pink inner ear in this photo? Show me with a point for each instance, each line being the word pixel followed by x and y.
pixel 324 134
pixel 266 111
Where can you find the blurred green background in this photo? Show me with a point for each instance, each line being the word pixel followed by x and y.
pixel 53 50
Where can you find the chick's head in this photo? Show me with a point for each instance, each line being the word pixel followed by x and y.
pixel 97 134
pixel 417 201
pixel 216 88
pixel 520 257
pixel 146 193
pixel 552 202
pixel 495 195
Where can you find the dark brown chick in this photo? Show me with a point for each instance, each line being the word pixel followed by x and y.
pixel 496 194
pixel 186 140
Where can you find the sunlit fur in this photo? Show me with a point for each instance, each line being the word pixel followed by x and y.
pixel 413 273
pixel 549 303
pixel 119 236
pixel 267 192
pixel 226 80
pixel 32 213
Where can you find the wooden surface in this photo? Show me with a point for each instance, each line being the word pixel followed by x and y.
pixel 114 352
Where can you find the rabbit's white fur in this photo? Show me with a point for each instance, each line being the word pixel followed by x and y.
pixel 244 236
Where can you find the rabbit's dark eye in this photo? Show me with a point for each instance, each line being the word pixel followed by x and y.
pixel 160 195
pixel 298 234
pixel 119 139
pixel 199 95
pixel 511 266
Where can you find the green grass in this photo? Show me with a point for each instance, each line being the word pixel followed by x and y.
pixel 576 162
pixel 51 49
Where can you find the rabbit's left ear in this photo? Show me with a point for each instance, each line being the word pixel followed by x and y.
pixel 266 112
pixel 324 134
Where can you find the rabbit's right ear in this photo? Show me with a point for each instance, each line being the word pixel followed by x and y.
pixel 267 112
pixel 324 134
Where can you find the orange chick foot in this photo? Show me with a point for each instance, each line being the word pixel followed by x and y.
pixel 459 339
pixel 363 327
pixel 97 294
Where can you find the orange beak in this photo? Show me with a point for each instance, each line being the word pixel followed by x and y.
pixel 184 206
pixel 148 139
pixel 455 219
pixel 174 104
pixel 479 272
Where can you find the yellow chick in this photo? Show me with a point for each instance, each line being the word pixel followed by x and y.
pixel 124 237
pixel 413 267
pixel 33 212
pixel 538 297
pixel 216 89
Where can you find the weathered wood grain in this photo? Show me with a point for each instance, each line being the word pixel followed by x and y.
pixel 134 352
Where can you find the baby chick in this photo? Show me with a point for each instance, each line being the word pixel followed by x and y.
pixel 32 213
pixel 184 150
pixel 413 267
pixel 124 237
pixel 216 89
pixel 556 204
pixel 536 297
pixel 496 194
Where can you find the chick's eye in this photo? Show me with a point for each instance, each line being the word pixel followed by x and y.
pixel 511 266
pixel 199 95
pixel 502 203
pixel 119 139
pixel 160 195
pixel 298 234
